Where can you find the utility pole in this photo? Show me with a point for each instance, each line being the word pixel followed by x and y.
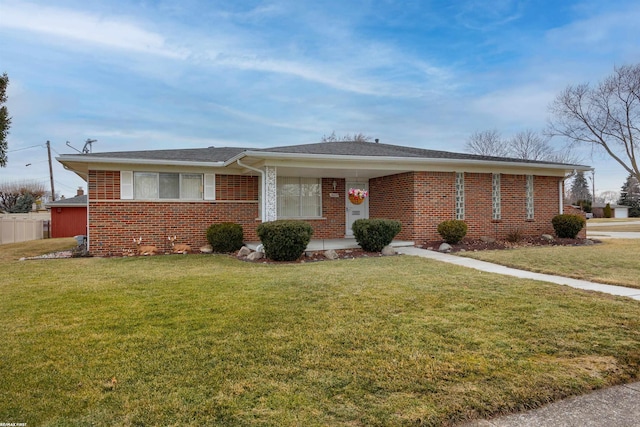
pixel 53 190
pixel 593 184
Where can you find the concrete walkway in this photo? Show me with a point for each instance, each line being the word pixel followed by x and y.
pixel 500 269
pixel 617 406
pixel 614 406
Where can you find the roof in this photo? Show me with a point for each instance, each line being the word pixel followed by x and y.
pixel 77 201
pixel 374 149
pixel 337 159
pixel 210 154
pixel 336 148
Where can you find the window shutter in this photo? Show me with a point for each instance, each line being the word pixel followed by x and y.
pixel 209 186
pixel 126 185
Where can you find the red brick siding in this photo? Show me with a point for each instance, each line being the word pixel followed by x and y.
pixel 104 185
pixel 333 224
pixel 114 224
pixel 394 197
pixel 431 198
pixel 236 187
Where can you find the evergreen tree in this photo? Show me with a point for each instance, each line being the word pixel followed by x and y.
pixel 580 189
pixel 630 195
pixel 5 120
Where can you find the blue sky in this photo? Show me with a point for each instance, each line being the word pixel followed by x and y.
pixel 195 73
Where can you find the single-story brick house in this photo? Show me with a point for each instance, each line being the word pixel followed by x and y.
pixel 160 193
pixel 69 216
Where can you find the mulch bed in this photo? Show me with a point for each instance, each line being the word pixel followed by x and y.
pixel 479 245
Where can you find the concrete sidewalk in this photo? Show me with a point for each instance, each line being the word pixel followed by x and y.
pixel 614 406
pixel 500 269
pixel 617 406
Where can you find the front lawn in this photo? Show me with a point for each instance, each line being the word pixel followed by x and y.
pixel 614 261
pixel 209 340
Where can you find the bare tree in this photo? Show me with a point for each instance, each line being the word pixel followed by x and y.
pixel 525 145
pixel 18 196
pixel 529 145
pixel 357 137
pixel 607 197
pixel 487 143
pixel 606 116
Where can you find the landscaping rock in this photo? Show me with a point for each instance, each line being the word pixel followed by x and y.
pixel 488 239
pixel 589 242
pixel 260 248
pixel 388 250
pixel 548 237
pixel 330 254
pixel 254 256
pixel 244 251
pixel 445 247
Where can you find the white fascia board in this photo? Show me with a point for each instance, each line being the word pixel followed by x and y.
pixel 111 160
pixel 368 160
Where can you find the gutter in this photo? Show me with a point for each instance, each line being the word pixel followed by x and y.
pixel 410 160
pixel 263 202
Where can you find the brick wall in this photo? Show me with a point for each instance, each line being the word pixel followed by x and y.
pixel 114 223
pixel 419 200
pixel 333 224
pixel 104 185
pixel 431 196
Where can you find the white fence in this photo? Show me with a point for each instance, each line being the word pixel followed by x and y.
pixel 22 227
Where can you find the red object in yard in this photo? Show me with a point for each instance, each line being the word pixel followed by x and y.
pixel 69 216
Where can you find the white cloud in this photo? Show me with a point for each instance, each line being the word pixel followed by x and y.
pixel 85 28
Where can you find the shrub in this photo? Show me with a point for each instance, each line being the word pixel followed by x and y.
pixel 374 234
pixel 225 237
pixel 606 211
pixel 634 212
pixel 284 240
pixel 515 235
pixel 452 231
pixel 568 226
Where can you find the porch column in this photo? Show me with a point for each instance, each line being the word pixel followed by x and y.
pixel 271 194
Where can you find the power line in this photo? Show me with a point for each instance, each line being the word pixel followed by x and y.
pixel 26 148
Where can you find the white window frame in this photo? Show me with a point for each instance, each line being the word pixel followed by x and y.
pixel 128 186
pixel 530 204
pixel 299 182
pixel 459 195
pixel 496 201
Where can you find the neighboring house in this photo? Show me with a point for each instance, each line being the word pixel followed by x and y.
pixel 161 193
pixel 617 211
pixel 69 216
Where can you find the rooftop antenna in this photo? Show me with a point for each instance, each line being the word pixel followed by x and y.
pixel 87 146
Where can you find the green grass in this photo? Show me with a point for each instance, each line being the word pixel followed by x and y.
pixel 614 261
pixel 209 340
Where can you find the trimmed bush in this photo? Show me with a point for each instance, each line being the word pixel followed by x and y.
pixel 284 240
pixel 568 226
pixel 452 231
pixel 225 237
pixel 374 234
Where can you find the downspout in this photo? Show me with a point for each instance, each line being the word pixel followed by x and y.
pixel 263 202
pixel 87 225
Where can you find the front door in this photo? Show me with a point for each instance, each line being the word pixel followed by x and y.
pixel 356 211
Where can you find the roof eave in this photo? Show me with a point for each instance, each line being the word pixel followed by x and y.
pixel 411 160
pixel 116 160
